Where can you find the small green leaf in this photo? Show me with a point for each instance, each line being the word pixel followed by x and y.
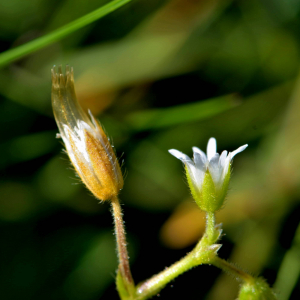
pixel 209 194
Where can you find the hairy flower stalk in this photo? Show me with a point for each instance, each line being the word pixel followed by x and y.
pixel 208 174
pixel 93 158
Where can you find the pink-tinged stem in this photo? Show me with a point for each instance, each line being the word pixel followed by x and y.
pixel 124 267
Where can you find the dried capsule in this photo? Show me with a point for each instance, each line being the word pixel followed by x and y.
pixel 86 143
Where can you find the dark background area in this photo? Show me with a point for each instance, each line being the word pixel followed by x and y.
pixel 158 75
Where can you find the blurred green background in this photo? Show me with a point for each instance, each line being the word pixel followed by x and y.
pixel 158 75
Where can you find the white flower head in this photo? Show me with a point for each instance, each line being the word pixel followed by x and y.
pixel 208 174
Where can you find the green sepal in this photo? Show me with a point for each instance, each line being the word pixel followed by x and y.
pixel 258 290
pixel 123 289
pixel 225 186
pixel 209 194
pixel 195 192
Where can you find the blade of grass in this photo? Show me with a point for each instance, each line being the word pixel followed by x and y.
pixel 165 117
pixel 18 52
pixel 289 270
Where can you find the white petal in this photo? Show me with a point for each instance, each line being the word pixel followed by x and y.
pixel 183 157
pixel 81 126
pixel 238 150
pixel 199 163
pixel 226 167
pixel 80 147
pixel 201 153
pixel 96 130
pixel 197 175
pixel 222 159
pixel 79 140
pixel 214 169
pixel 211 148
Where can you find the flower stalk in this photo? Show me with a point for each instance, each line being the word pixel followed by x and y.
pixel 210 230
pixel 124 268
pixel 231 269
pixel 203 253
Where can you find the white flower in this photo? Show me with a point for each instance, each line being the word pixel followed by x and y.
pixel 208 175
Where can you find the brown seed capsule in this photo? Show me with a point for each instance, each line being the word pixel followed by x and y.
pixel 86 143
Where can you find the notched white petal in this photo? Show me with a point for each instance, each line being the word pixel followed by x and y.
pixel 199 163
pixel 192 170
pixel 198 175
pixel 238 150
pixel 226 166
pixel 211 148
pixel 202 154
pixel 214 169
pixel 222 159
pixel 183 157
pixel 79 140
pixel 215 160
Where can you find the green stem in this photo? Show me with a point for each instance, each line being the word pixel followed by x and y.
pixel 210 226
pixel 232 269
pixel 153 285
pixel 203 253
pixel 18 52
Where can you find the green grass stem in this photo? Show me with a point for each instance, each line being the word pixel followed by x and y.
pixel 39 43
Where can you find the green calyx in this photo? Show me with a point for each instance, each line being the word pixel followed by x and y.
pixel 258 290
pixel 208 196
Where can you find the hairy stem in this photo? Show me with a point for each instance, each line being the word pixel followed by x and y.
pixel 210 226
pixel 232 269
pixel 124 267
pixel 203 253
pixel 153 285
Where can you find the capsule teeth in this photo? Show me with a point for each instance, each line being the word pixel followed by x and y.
pixel 60 79
pixel 54 75
pixel 60 70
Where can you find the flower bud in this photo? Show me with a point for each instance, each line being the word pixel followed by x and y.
pixel 208 175
pixel 87 145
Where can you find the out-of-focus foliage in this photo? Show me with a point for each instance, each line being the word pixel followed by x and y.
pixel 159 75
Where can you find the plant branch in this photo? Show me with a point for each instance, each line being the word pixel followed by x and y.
pixel 203 253
pixel 232 269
